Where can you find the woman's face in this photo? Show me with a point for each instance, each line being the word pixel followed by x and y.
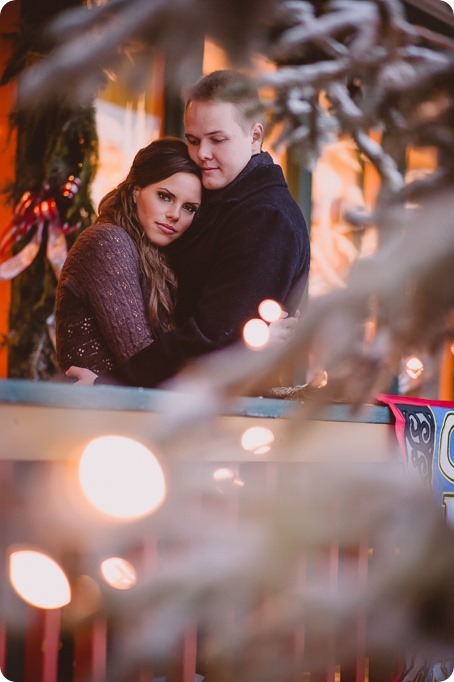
pixel 166 208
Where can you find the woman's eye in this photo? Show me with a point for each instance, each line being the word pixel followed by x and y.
pixel 189 208
pixel 163 196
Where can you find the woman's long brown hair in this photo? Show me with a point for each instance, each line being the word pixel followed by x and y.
pixel 154 163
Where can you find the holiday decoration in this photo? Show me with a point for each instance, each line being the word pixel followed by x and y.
pixel 33 211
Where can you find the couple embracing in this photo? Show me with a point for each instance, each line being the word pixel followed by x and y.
pixel 185 248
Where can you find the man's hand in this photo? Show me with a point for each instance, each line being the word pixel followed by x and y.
pixel 283 330
pixel 84 376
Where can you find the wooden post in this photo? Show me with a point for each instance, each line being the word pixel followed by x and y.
pixel 90 652
pixel 42 643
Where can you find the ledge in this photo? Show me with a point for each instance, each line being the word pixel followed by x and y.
pixel 62 395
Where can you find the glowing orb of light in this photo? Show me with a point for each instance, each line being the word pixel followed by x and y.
pixel 121 477
pixel 414 367
pixel 257 439
pixel 270 310
pixel 321 379
pixel 38 579
pixel 119 573
pixel 256 334
pixel 223 474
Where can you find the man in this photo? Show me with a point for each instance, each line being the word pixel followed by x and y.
pixel 249 241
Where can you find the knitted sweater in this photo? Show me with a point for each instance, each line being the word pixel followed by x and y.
pixel 101 314
pixel 248 242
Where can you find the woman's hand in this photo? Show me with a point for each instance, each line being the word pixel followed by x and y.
pixel 283 330
pixel 84 376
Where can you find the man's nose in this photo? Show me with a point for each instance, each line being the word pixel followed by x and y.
pixel 204 151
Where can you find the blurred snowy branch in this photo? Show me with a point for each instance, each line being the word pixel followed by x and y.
pixel 320 549
pixel 343 68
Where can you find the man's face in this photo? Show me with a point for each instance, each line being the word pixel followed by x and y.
pixel 217 142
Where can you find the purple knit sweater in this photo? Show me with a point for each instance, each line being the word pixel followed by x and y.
pixel 101 314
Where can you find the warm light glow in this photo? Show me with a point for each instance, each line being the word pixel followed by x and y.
pixel 86 598
pixel 270 310
pixel 414 367
pixel 257 439
pixel 223 474
pixel 119 573
pixel 38 579
pixel 319 378
pixel 111 75
pixel 121 477
pixel 256 334
pixel 452 348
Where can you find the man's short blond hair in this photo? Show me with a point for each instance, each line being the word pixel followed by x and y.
pixel 232 87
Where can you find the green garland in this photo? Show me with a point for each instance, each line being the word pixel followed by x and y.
pixel 54 142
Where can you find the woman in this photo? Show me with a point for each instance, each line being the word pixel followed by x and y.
pixel 116 292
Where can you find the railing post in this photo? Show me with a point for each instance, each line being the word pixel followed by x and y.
pixel 42 644
pixel 90 652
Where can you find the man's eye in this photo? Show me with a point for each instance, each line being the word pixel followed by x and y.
pixel 163 196
pixel 217 140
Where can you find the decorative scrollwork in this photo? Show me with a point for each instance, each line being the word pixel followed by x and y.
pixel 419 436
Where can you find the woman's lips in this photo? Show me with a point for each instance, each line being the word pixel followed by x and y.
pixel 166 229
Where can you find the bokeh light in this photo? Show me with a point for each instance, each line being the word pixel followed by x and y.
pixel 257 439
pixel 86 599
pixel 270 310
pixel 121 477
pixel 38 579
pixel 318 378
pixel 227 479
pixel 414 367
pixel 224 474
pixel 119 573
pixel 256 334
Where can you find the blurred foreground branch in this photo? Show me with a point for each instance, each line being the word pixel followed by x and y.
pixel 344 68
pixel 256 564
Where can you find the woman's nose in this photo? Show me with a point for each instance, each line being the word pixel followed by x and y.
pixel 173 212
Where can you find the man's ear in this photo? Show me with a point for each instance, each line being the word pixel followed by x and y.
pixel 257 136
